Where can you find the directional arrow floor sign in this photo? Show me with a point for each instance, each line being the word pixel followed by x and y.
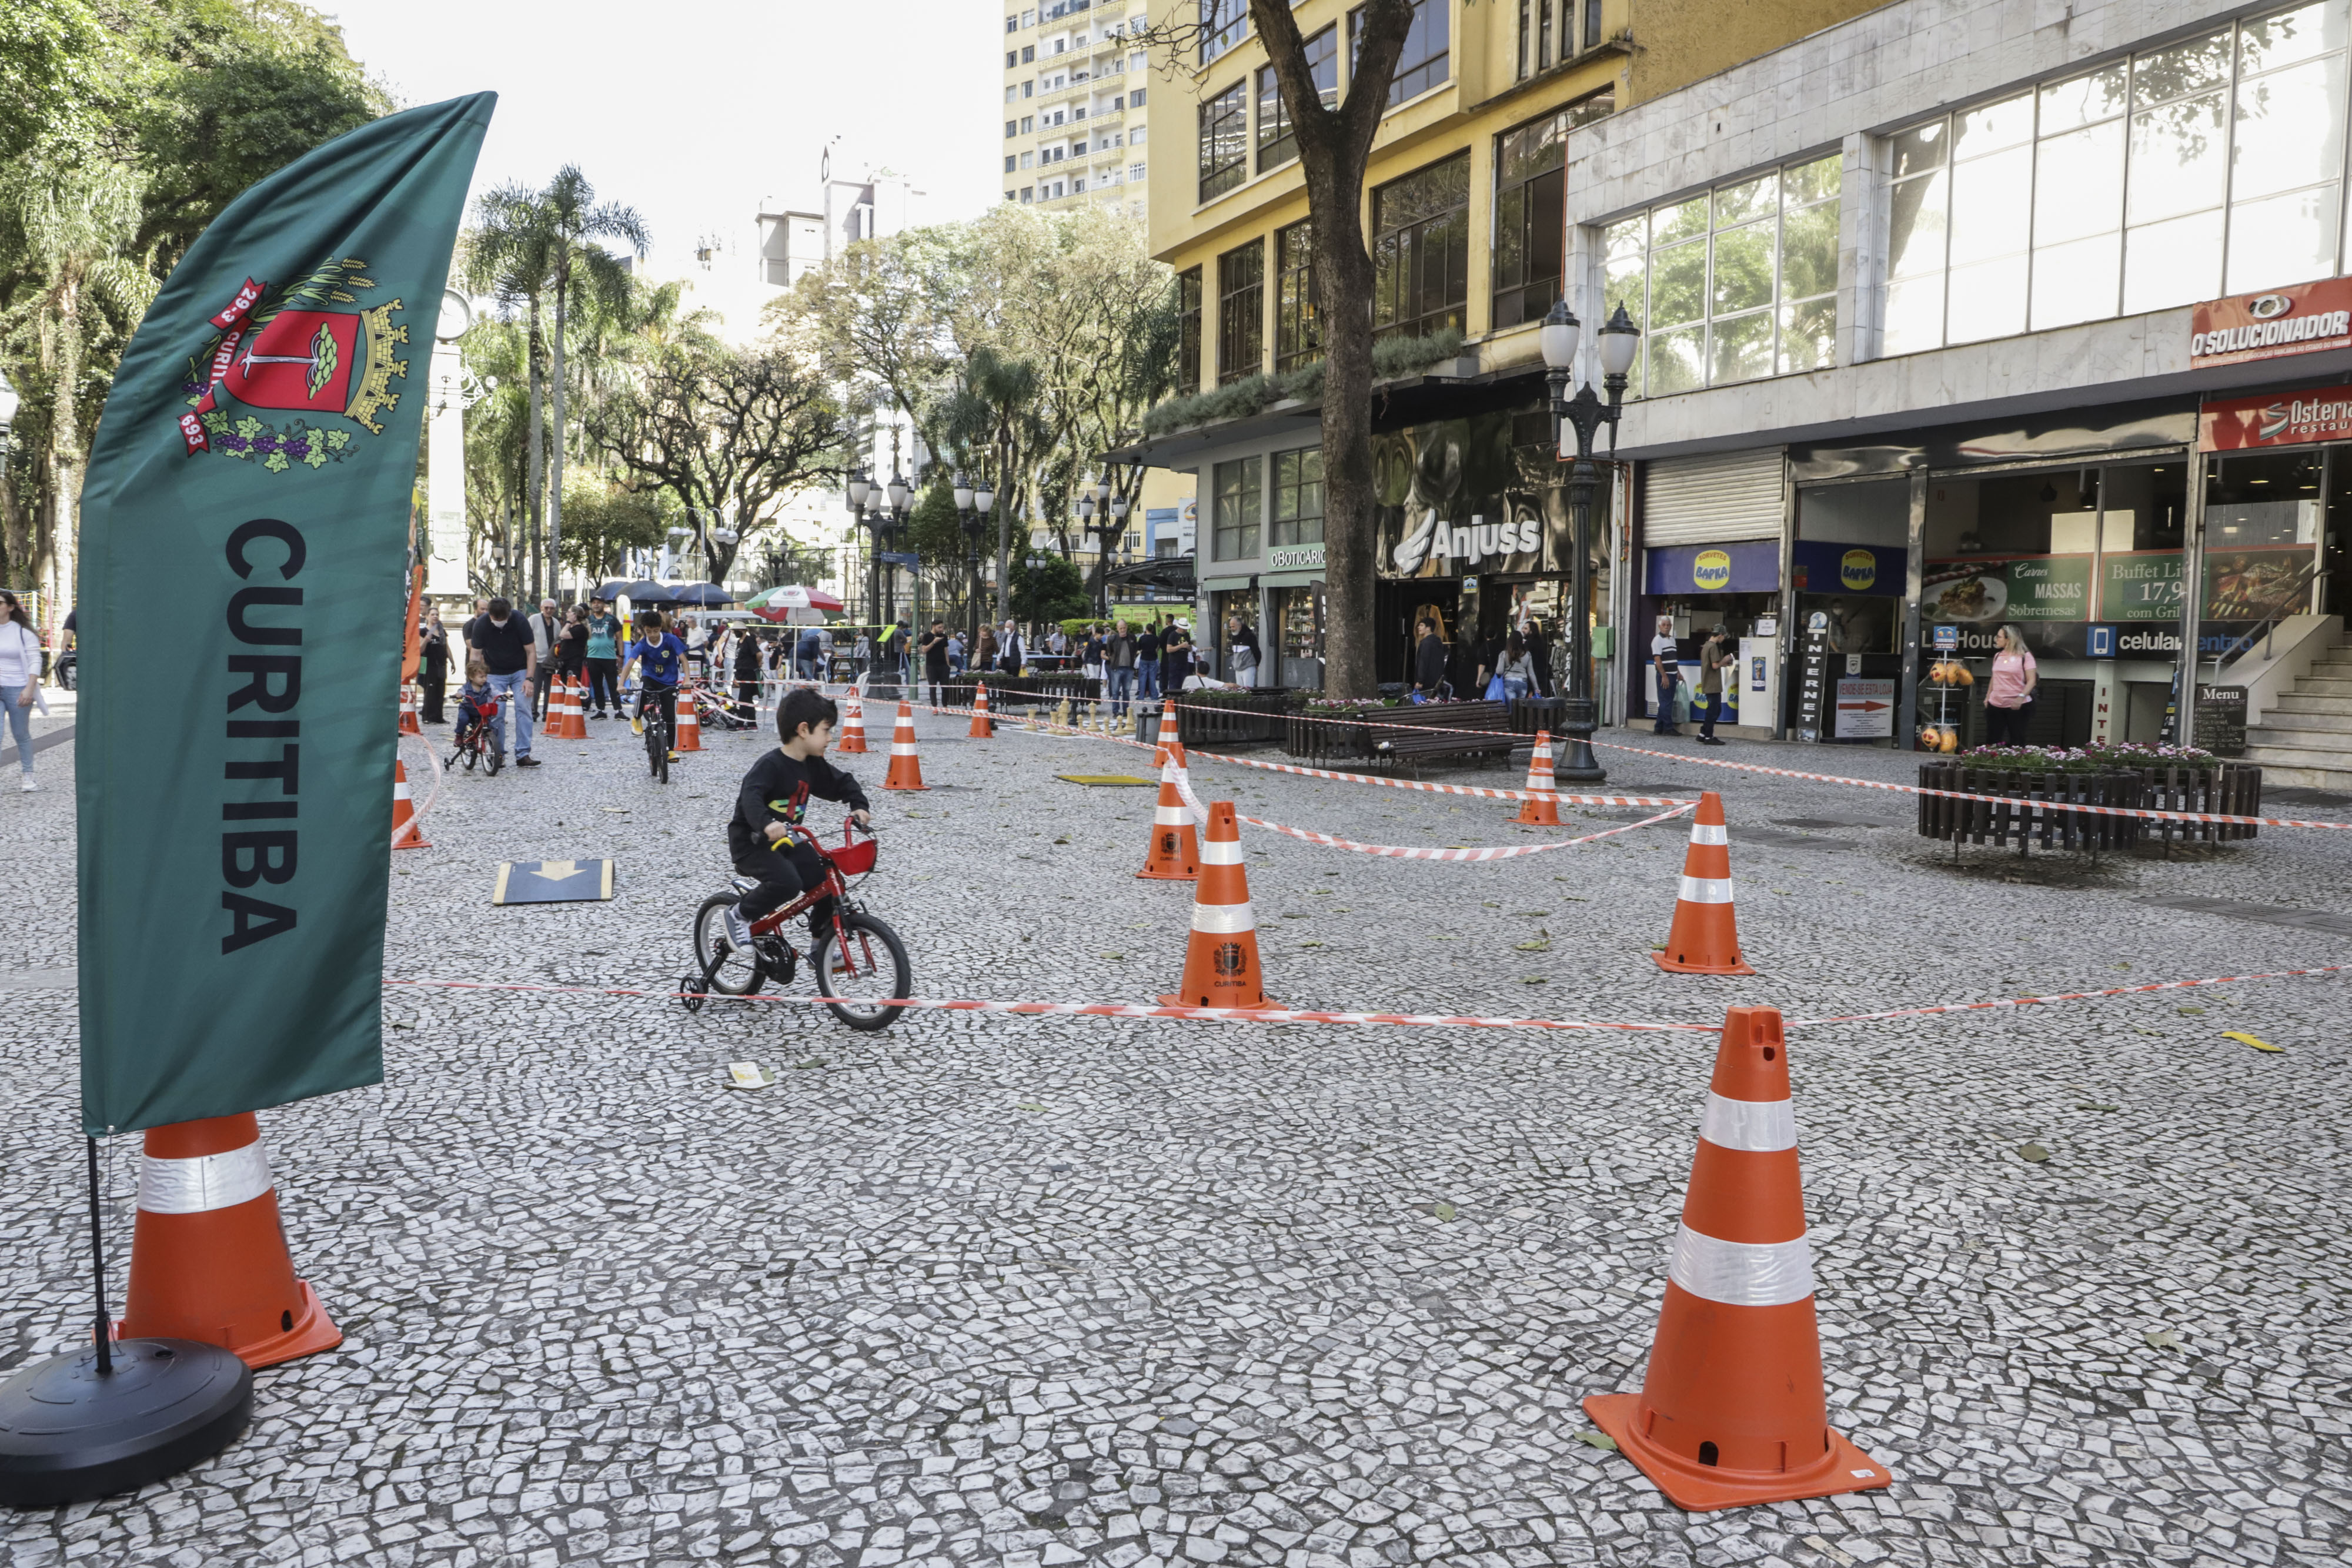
pixel 553 882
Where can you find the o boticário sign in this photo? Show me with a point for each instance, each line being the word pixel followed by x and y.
pixel 254 470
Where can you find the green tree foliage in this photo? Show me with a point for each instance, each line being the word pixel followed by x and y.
pixel 1049 590
pixel 934 527
pixel 601 520
pixel 50 79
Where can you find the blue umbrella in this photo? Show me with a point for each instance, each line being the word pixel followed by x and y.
pixel 702 595
pixel 639 592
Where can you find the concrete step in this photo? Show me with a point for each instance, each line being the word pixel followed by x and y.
pixel 2304 742
pixel 2336 728
pixel 2307 769
pixel 2324 687
pixel 2334 704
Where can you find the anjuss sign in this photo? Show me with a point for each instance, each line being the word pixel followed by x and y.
pixel 2271 325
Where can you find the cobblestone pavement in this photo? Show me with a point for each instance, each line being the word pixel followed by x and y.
pixel 1050 1289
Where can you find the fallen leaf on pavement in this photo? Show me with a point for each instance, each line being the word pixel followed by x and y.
pixel 2034 1153
pixel 1598 1440
pixel 2249 1039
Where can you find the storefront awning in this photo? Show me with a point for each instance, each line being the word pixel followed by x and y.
pixel 1288 578
pixel 1227 584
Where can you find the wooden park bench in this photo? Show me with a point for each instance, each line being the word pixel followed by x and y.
pixel 1433 734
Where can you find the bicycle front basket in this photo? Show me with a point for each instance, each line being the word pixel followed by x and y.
pixel 853 859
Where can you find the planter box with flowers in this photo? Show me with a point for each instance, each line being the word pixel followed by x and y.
pixel 1313 736
pixel 2037 783
pixel 1231 715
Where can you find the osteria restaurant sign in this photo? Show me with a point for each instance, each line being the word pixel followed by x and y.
pixel 2268 326
pixel 2284 418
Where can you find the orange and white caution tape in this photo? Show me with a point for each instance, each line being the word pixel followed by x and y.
pixel 1399 852
pixel 1089 1009
pixel 2070 996
pixel 2053 807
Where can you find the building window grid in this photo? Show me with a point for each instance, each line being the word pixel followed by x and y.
pixel 1530 209
pixel 2168 243
pixel 1297 498
pixel 1188 330
pixel 1297 306
pixel 1235 500
pixel 1241 312
pixel 1224 140
pixel 1420 250
pixel 1223 25
pixel 1277 142
pixel 1735 284
pixel 1425 60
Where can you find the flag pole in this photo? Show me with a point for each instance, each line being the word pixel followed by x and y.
pixel 98 1269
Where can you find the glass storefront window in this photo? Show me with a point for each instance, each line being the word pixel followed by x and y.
pixel 1298 496
pixel 1420 250
pixel 1234 520
pixel 1732 286
pixel 2208 167
pixel 2262 533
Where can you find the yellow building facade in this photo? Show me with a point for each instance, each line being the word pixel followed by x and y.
pixel 1464 210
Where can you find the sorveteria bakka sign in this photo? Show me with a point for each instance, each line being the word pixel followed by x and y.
pixel 253 470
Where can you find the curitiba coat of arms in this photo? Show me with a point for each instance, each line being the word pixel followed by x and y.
pixel 290 350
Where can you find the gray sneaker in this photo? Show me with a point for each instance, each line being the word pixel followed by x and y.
pixel 738 930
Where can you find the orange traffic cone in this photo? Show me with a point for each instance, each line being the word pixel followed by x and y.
pixel 1175 852
pixel 1544 811
pixel 1732 1411
pixel 689 725
pixel 406 832
pixel 1705 938
pixel 559 709
pixel 408 725
pixel 575 710
pixel 906 768
pixel 1221 967
pixel 853 726
pixel 1168 745
pixel 208 1258
pixel 982 727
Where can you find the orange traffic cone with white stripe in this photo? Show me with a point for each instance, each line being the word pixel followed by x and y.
pixel 208 1258
pixel 1221 967
pixel 906 769
pixel 1175 852
pixel 853 726
pixel 559 710
pixel 1732 1411
pixel 575 713
pixel 408 725
pixel 1168 745
pixel 982 727
pixel 1543 812
pixel 689 725
pixel 1705 938
pixel 407 832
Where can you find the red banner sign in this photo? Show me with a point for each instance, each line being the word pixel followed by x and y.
pixel 2284 419
pixel 2271 325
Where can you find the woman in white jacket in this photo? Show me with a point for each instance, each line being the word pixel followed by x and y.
pixel 20 675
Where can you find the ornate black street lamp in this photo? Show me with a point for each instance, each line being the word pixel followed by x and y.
pixel 975 504
pixel 1585 413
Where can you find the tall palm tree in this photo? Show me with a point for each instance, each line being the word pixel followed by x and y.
pixel 996 409
pixel 574 222
pixel 511 256
pixel 65 224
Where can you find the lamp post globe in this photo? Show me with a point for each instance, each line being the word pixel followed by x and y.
pixel 1585 415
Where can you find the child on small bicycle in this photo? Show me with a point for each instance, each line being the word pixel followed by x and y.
pixel 773 800
pixel 474 700
pixel 659 656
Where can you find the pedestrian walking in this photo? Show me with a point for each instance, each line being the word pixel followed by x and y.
pixel 1009 650
pixel 747 679
pixel 572 645
pixel 2009 699
pixel 1428 661
pixel 510 658
pixel 984 652
pixel 1713 655
pixel 544 626
pixel 20 678
pixel 935 658
pixel 603 657
pixel 1665 662
pixel 808 657
pixel 1241 644
pixel 1147 663
pixel 432 664
pixel 1539 649
pixel 959 655
pixel 1516 668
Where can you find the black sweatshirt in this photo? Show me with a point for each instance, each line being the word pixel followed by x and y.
pixel 777 789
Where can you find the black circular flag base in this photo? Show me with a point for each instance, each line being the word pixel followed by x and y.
pixel 70 1433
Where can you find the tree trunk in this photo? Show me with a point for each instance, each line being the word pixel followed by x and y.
pixel 534 455
pixel 1350 534
pixel 1008 497
pixel 555 446
pixel 65 460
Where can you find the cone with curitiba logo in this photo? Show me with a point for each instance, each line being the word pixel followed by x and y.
pixel 1221 967
pixel 1732 1411
pixel 208 1258
pixel 853 726
pixel 982 727
pixel 1543 812
pixel 407 831
pixel 1175 852
pixel 1705 938
pixel 906 768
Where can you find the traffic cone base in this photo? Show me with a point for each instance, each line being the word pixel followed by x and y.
pixel 1175 852
pixel 1220 962
pixel 1543 811
pixel 906 770
pixel 1733 1410
pixel 208 1258
pixel 1705 936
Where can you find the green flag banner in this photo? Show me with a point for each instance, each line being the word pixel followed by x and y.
pixel 244 533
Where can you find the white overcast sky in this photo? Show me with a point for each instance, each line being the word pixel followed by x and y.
pixel 693 111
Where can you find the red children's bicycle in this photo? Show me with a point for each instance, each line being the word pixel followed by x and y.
pixel 483 745
pixel 859 963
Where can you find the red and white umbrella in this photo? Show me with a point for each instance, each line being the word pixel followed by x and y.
pixel 778 604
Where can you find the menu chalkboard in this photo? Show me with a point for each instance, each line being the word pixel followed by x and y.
pixel 1812 694
pixel 2222 720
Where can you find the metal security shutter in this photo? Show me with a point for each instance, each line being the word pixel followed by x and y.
pixel 1707 500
